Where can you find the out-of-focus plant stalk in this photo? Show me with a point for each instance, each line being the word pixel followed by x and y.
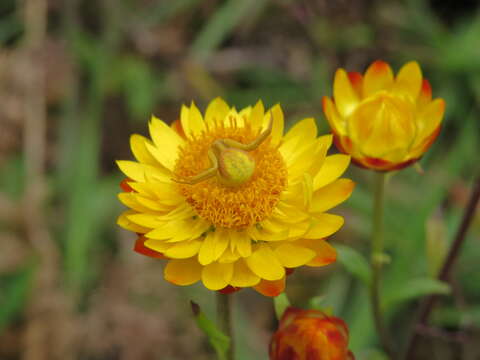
pixel 377 261
pixel 34 148
pixel 444 275
pixel 225 319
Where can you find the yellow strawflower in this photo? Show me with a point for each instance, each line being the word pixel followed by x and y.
pixel 383 122
pixel 231 201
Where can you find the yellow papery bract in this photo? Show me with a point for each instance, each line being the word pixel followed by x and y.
pixel 216 276
pixel 265 264
pixel 380 120
pixel 233 235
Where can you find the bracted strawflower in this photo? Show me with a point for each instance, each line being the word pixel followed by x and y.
pixel 229 200
pixel 384 122
pixel 310 335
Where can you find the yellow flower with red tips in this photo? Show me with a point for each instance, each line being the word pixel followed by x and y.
pixel 383 122
pixel 229 200
pixel 310 335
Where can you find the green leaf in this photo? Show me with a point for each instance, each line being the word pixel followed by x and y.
pixel 413 289
pixel 225 19
pixel 13 294
pixel 139 84
pixel 219 341
pixel 354 262
pixel 437 244
pixel 280 303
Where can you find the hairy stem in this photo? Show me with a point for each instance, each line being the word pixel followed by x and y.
pixel 377 261
pixel 224 319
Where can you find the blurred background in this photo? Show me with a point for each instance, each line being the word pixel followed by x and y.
pixel 77 77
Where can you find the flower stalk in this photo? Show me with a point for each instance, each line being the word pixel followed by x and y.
pixel 225 320
pixel 377 261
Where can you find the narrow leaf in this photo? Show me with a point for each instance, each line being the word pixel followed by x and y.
pixel 413 289
pixel 219 341
pixel 354 262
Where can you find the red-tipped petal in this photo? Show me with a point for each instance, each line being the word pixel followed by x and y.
pixel 124 185
pixel 271 288
pixel 229 289
pixel 357 80
pixel 142 249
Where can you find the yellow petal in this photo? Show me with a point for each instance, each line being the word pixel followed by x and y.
pixel 157 245
pixel 167 142
pixel 132 169
pixel 379 76
pixel 243 276
pixel 346 98
pixel 260 234
pixel 331 195
pixel 256 116
pixel 228 256
pixel 181 250
pixel 429 120
pixel 241 243
pixel 271 288
pixel 216 276
pixel 335 120
pixel 222 239
pixel 123 222
pixel 304 130
pixel 129 199
pixel 292 256
pixel 265 264
pixel 193 125
pixel 146 220
pixel 183 271
pixel 383 123
pixel 164 157
pixel 152 205
pixel 138 172
pixel 207 250
pixel 179 230
pixel 333 167
pixel 326 253
pixel 216 112
pixel 139 149
pixel 409 80
pixel 324 225
pixel 278 123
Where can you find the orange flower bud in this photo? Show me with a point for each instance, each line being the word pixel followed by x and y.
pixel 384 122
pixel 310 335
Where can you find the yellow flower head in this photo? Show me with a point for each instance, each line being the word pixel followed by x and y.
pixel 310 335
pixel 383 122
pixel 229 200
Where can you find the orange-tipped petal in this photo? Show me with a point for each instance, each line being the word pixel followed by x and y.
pixel 379 76
pixel 124 185
pixel 177 126
pixel 337 123
pixel 142 249
pixel 357 82
pixel 271 288
pixel 326 253
pixel 425 95
pixel 409 80
pixel 346 98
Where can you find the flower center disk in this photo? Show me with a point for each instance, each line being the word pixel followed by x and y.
pixel 234 207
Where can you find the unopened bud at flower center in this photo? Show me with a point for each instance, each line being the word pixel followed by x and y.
pixel 235 166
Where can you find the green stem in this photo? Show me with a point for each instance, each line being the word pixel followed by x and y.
pixel 225 319
pixel 377 261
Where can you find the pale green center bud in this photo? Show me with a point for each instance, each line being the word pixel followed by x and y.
pixel 235 166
